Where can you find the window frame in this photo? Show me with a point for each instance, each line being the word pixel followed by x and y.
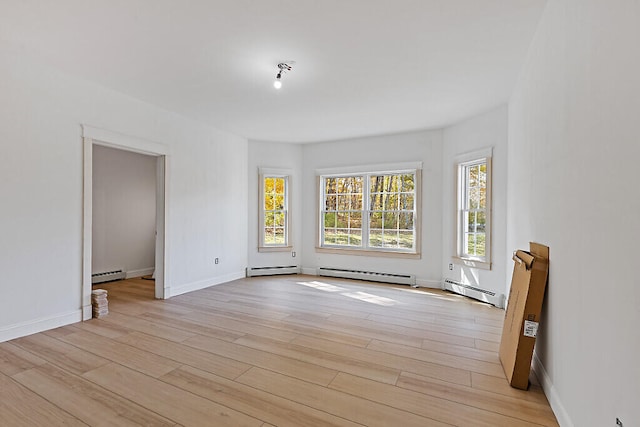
pixel 462 195
pixel 264 173
pixel 366 172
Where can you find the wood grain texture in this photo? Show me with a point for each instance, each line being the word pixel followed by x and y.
pixel 270 351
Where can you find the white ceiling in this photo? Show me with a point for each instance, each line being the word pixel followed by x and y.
pixel 363 67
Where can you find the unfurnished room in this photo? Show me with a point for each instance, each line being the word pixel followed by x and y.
pixel 319 213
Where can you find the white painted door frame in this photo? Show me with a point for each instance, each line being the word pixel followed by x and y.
pixel 94 136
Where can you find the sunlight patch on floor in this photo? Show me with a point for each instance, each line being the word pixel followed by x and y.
pixel 322 286
pixel 370 298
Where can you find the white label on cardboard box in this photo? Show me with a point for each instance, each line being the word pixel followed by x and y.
pixel 530 328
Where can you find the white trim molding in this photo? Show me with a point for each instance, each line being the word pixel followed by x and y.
pixel 39 325
pixel 550 391
pixel 201 284
pixel 379 168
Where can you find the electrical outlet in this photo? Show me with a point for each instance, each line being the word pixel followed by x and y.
pixel 293 254
pixel 450 266
pixel 217 260
pixel 618 422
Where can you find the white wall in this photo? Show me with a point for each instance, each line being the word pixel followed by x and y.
pixel 277 156
pixel 41 111
pixel 573 185
pixel 124 211
pixel 423 146
pixel 486 130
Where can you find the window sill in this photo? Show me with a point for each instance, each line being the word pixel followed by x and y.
pixel 473 263
pixel 275 248
pixel 368 252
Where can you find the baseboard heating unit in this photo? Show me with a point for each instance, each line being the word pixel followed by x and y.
pixel 272 271
pixel 108 276
pixel 474 292
pixel 402 279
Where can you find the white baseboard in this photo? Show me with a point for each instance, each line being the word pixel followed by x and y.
pixel 309 271
pixel 139 273
pixel 550 391
pixel 427 283
pixel 201 284
pixel 420 283
pixel 38 325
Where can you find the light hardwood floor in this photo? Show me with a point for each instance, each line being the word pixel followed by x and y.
pixel 274 351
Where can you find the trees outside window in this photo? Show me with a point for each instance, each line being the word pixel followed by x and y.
pixel 373 211
pixel 474 209
pixel 274 211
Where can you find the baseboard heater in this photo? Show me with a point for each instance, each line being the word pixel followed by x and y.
pixel 108 276
pixel 402 279
pixel 474 292
pixel 272 271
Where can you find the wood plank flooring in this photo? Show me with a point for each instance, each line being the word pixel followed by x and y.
pixel 272 351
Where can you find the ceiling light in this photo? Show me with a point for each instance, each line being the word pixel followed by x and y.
pixel 283 67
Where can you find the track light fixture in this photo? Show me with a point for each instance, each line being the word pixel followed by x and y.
pixel 283 67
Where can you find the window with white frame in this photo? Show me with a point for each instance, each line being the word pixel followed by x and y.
pixel 474 209
pixel 370 211
pixel 274 210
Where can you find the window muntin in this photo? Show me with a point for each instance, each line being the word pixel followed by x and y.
pixel 386 222
pixel 474 209
pixel 275 213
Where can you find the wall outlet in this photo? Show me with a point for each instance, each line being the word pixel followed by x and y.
pixel 618 422
pixel 451 266
pixel 217 260
pixel 293 254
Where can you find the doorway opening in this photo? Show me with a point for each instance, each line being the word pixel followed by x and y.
pixel 121 149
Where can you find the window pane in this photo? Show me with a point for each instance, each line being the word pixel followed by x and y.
pixel 342 219
pixel 375 202
pixel 268 202
pixel 355 219
pixel 406 239
pixel 481 221
pixel 329 219
pixel 279 186
pixel 474 198
pixel 375 220
pixel 269 238
pixel 390 220
pixel 406 201
pixel 330 186
pixel 329 236
pixel 473 176
pixel 268 219
pixel 391 201
pixel 279 235
pixel 471 244
pixel 356 202
pixel 330 203
pixel 375 238
pixel 390 239
pixel 343 203
pixel 408 183
pixel 355 237
pixel 405 221
pixel 472 222
pixel 279 202
pixel 480 244
pixel 268 185
pixel 278 219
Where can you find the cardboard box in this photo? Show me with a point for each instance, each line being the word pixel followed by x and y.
pixel 523 313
